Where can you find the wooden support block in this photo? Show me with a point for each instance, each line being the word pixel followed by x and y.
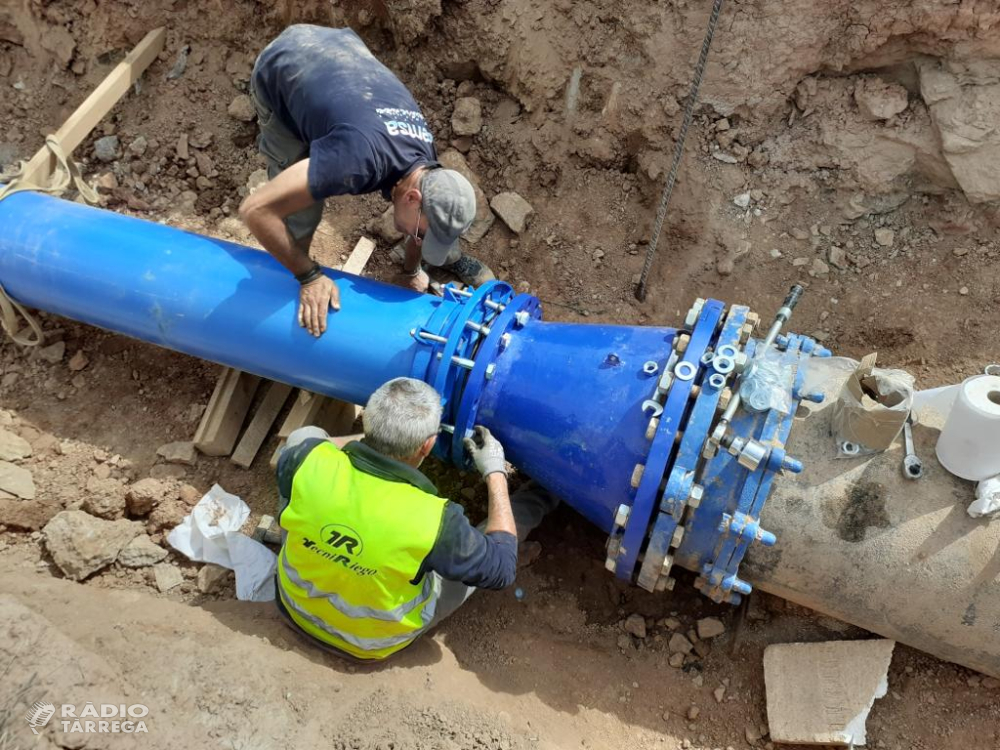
pixel 260 425
pixel 103 99
pixel 359 257
pixel 304 411
pixel 221 423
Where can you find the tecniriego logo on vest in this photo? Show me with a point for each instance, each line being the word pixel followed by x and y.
pixel 342 545
pixel 342 538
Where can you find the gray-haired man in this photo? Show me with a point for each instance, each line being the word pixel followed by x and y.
pixel 371 557
pixel 335 121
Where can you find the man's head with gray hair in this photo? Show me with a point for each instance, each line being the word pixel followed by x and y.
pixel 402 419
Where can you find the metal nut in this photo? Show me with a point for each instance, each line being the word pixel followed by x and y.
pixel 651 428
pixel 681 343
pixel 521 318
pixel 696 495
pixel 650 368
pixel 637 475
pixel 621 515
pixel 678 537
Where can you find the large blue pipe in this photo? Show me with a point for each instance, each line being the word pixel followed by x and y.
pixel 577 406
pixel 621 422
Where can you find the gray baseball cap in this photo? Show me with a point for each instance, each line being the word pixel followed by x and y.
pixel 449 202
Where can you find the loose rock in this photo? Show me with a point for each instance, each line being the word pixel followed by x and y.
pixel 819 268
pixel 167 576
pixel 27 515
pixel 53 353
pixel 105 498
pixel 879 100
pixel 13 447
pixel 81 544
pixel 838 257
pixel 145 495
pixel 241 108
pixel 710 627
pixel 138 146
pixel 166 515
pixel 742 200
pixel 78 361
pixel 885 237
pixel 636 625
pixel 680 645
pixel 719 693
pixel 467 119
pixel 106 148
pixel 513 210
pixel 17 481
pixel 211 578
pixel 141 552
pixel 693 712
pixel 676 660
pixel 181 452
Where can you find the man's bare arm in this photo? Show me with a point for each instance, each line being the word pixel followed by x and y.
pixel 264 214
pixel 500 517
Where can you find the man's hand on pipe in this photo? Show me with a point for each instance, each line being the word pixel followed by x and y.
pixel 315 300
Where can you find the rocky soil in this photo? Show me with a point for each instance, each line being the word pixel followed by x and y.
pixel 848 144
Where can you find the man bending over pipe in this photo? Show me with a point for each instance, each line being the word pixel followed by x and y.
pixel 371 557
pixel 335 121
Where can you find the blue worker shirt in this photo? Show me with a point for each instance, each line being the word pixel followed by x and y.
pixel 364 129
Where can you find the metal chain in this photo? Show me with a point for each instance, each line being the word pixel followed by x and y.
pixel 661 212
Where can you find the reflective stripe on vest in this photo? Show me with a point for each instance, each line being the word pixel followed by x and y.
pixel 427 594
pixel 364 644
pixel 354 545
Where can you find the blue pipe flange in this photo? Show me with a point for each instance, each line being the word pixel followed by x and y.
pixel 623 552
pixel 506 324
pixel 451 363
pixel 737 523
pixel 682 495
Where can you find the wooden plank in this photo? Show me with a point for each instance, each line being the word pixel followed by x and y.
pixel 359 256
pixel 221 423
pixel 103 99
pixel 304 412
pixel 260 425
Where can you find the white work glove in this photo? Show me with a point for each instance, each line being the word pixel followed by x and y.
pixel 486 452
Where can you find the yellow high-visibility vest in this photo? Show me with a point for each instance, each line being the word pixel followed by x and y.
pixel 355 543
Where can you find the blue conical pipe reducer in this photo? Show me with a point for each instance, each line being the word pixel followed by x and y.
pixel 639 429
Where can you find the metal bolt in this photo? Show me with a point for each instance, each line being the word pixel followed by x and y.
pixel 668 562
pixel 652 427
pixel 696 495
pixel 521 319
pixel 678 537
pixel 610 564
pixel 490 369
pixel 724 398
pixel 637 475
pixel 681 343
pixel 621 515
pixel 504 341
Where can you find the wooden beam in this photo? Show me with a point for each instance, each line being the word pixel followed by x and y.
pixel 228 407
pixel 260 425
pixel 359 257
pixel 103 99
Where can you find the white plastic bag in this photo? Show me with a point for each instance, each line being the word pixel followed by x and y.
pixel 211 533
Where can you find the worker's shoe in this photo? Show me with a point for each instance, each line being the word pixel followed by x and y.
pixel 470 271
